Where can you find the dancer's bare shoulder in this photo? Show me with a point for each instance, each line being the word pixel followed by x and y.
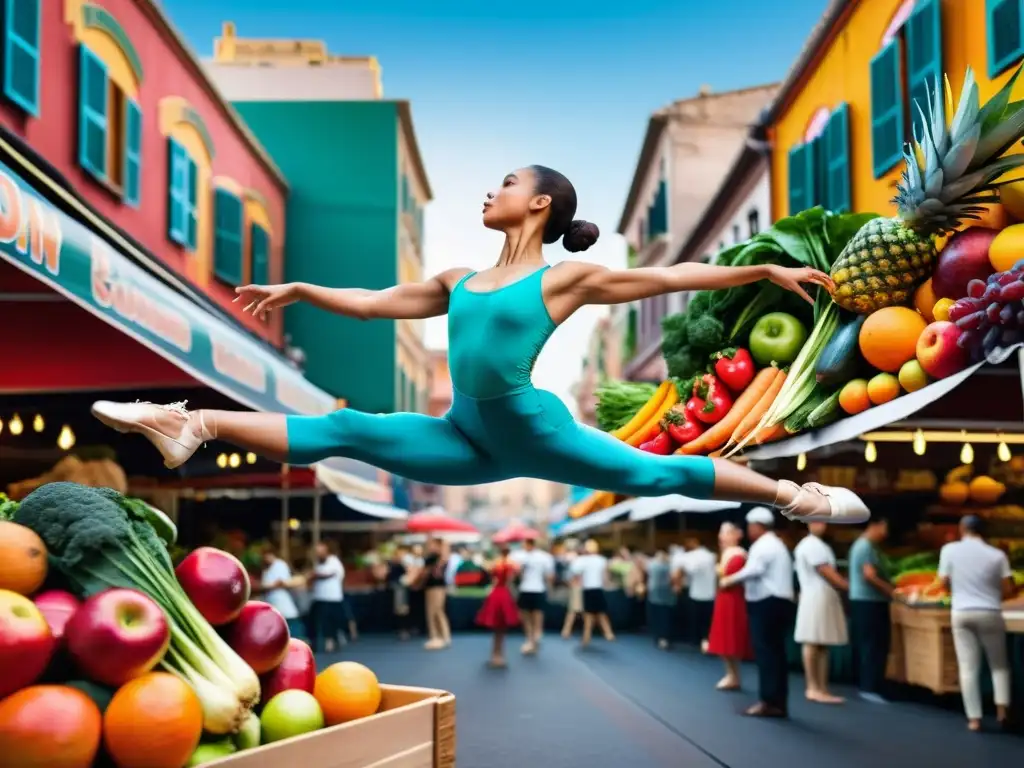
pixel 450 277
pixel 567 276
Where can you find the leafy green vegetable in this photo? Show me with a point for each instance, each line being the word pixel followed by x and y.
pixel 619 401
pixel 97 540
pixel 7 507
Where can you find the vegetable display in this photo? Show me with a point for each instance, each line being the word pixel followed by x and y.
pixel 128 659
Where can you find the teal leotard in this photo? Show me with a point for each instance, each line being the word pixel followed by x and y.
pixel 499 425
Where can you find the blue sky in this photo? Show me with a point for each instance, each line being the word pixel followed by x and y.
pixel 495 86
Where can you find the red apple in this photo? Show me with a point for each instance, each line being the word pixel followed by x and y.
pixel 57 607
pixel 296 672
pixel 215 582
pixel 117 635
pixel 964 258
pixel 26 643
pixel 938 352
pixel 260 636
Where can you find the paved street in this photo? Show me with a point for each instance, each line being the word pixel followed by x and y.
pixel 629 705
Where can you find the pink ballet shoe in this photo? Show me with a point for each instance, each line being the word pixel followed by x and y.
pixel 831 505
pixel 142 418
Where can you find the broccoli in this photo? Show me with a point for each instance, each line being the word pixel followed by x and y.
pixel 707 333
pixel 683 362
pixel 98 540
pixel 700 303
pixel 7 507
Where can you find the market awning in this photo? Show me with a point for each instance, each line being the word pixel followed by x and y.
pixel 596 519
pixel 655 506
pixel 83 265
pixel 372 509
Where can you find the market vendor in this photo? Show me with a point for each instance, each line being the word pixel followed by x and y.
pixel 870 593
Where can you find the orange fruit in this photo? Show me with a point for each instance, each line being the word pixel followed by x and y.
pixel 882 388
pixel 23 562
pixel 941 309
pixel 924 300
pixel 889 337
pixel 153 721
pixel 853 397
pixel 1007 248
pixel 347 691
pixel 49 726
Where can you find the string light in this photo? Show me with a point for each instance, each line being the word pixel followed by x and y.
pixel 967 454
pixel 16 426
pixel 66 440
pixel 234 461
pixel 801 462
pixel 870 452
pixel 1003 452
pixel 920 444
pixel 293 524
pixel 222 460
pixel 38 424
pixel 250 458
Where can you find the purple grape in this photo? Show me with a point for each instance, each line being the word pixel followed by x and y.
pixel 976 289
pixel 969 322
pixel 1009 337
pixel 991 340
pixel 1018 267
pixel 1008 316
pixel 1020 317
pixel 1013 292
pixel 961 309
pixel 992 312
pixel 992 292
pixel 1004 278
pixel 967 340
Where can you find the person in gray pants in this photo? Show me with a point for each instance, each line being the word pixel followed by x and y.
pixel 979 579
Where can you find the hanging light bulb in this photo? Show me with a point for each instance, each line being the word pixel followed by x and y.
pixel 967 454
pixel 38 424
pixel 801 462
pixel 293 524
pixel 66 440
pixel 1 426
pixel 870 452
pixel 250 458
pixel 1003 452
pixel 234 460
pixel 222 460
pixel 16 426
pixel 920 445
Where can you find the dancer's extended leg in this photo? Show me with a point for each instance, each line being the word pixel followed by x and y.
pixel 418 447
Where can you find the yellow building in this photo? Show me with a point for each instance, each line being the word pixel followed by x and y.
pixel 840 121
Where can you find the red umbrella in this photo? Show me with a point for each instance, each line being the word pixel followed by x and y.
pixel 515 532
pixel 435 522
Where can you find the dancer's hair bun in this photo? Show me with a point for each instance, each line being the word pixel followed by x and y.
pixel 580 236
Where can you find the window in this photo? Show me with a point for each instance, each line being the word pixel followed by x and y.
pixel 92 99
pixel 819 171
pixel 21 53
pixel 886 109
pixel 183 195
pixel 227 237
pixel 657 214
pixel 132 154
pixel 1005 34
pixel 924 57
pixel 259 245
pixel 754 221
pixel 735 233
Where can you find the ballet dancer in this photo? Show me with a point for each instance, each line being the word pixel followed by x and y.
pixel 499 425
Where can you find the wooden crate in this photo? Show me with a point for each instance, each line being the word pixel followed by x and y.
pixel 415 728
pixel 923 652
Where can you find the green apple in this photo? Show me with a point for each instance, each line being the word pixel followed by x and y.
pixel 210 751
pixel 248 735
pixel 290 713
pixel 777 338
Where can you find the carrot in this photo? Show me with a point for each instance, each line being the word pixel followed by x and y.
pixel 644 414
pixel 771 434
pixel 718 434
pixel 763 404
pixel 652 426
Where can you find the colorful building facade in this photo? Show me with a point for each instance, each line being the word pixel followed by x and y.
pixel 355 219
pixel 841 119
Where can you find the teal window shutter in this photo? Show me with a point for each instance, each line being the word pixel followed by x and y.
pixel 657 215
pixel 886 109
pixel 22 21
pixel 837 161
pixel 192 202
pixel 801 178
pixel 924 57
pixel 92 113
pixel 132 153
pixel 1005 27
pixel 179 208
pixel 227 237
pixel 260 244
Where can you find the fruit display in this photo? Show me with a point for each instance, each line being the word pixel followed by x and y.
pixel 116 662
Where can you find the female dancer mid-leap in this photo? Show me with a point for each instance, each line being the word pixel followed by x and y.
pixel 499 425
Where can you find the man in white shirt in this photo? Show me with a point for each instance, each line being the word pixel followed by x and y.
pixel 327 609
pixel 591 570
pixel 767 579
pixel 275 582
pixel 697 566
pixel 536 573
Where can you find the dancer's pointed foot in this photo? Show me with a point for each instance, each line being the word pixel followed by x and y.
pixel 175 432
pixel 815 503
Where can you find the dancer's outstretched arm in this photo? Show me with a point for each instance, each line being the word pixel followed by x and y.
pixel 600 285
pixel 411 301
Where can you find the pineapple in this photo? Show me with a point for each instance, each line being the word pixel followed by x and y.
pixel 949 177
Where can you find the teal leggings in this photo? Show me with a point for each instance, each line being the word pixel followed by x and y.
pixel 527 433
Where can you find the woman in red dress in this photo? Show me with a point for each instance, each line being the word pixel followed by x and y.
pixel 730 637
pixel 499 612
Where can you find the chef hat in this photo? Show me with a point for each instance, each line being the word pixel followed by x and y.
pixel 761 516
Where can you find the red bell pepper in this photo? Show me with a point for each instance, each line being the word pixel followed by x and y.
pixel 682 426
pixel 661 445
pixel 735 368
pixel 711 400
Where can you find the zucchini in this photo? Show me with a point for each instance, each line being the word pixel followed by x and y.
pixel 799 420
pixel 826 412
pixel 841 359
